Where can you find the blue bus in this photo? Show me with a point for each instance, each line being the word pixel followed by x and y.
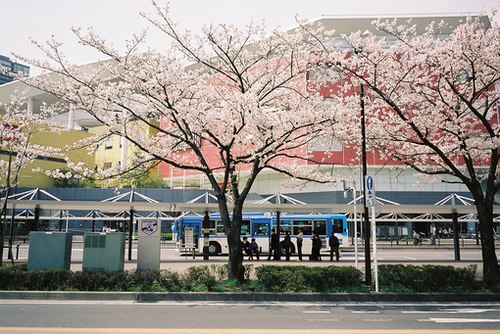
pixel 259 226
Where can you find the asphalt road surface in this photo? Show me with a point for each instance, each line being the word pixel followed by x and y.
pixel 25 316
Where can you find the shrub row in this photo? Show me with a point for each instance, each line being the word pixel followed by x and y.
pixel 427 278
pixel 309 279
pixel 213 278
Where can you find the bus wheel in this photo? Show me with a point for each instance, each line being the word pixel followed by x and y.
pixel 214 248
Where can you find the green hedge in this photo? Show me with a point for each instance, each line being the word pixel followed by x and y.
pixel 213 278
pixel 427 278
pixel 309 279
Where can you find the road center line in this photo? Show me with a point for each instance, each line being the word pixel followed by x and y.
pixel 316 312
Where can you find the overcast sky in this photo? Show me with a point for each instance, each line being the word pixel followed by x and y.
pixel 116 20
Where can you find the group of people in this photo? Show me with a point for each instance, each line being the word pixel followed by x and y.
pixel 252 248
pixel 444 232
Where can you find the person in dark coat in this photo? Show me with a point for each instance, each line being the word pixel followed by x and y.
pixel 274 245
pixel 316 248
pixel 300 240
pixel 287 244
pixel 254 249
pixel 245 247
pixel 334 244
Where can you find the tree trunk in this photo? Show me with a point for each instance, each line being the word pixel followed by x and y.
pixel 235 260
pixel 491 272
pixel 484 206
pixel 232 228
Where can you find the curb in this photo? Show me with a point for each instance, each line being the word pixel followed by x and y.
pixel 152 297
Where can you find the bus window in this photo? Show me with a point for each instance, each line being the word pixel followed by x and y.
pixel 338 226
pixel 261 229
pixel 319 227
pixel 211 227
pixel 220 228
pixel 245 227
pixel 285 226
pixel 305 225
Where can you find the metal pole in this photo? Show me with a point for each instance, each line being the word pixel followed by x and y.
pixel 456 241
pixel 355 227
pixel 60 220
pixel 36 219
pixel 277 253
pixel 11 235
pixel 368 268
pixel 3 214
pixel 476 231
pixel 93 220
pixel 375 263
pixel 130 231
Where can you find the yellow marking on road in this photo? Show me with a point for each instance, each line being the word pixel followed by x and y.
pixel 239 330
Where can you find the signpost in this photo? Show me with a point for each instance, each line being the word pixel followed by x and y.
pixel 189 239
pixel 148 244
pixel 371 202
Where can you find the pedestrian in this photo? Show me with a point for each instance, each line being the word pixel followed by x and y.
pixel 416 238
pixel 300 239
pixel 274 245
pixel 254 249
pixel 245 247
pixel 316 248
pixel 287 244
pixel 334 244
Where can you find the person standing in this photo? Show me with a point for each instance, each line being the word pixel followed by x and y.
pixel 334 244
pixel 274 245
pixel 416 238
pixel 316 248
pixel 300 239
pixel 287 244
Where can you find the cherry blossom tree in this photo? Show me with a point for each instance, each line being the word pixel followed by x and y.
pixel 218 103
pixel 17 128
pixel 431 104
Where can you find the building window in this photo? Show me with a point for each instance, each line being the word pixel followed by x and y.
pixel 109 144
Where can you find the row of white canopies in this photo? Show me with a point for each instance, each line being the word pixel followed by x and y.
pixel 122 206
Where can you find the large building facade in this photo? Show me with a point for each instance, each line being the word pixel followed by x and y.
pixel 9 67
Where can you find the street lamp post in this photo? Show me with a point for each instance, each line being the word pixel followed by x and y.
pixel 368 270
pixel 355 213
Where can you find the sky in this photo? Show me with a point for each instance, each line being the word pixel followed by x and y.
pixel 117 20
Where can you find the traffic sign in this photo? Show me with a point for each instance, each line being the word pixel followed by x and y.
pixel 370 192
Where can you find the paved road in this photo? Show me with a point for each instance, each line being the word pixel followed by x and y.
pixel 22 316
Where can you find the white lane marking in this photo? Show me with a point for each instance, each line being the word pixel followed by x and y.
pixel 459 311
pixel 460 320
pixel 365 312
pixel 316 312
pixel 377 320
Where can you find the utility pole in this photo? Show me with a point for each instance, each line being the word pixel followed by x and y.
pixel 368 269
